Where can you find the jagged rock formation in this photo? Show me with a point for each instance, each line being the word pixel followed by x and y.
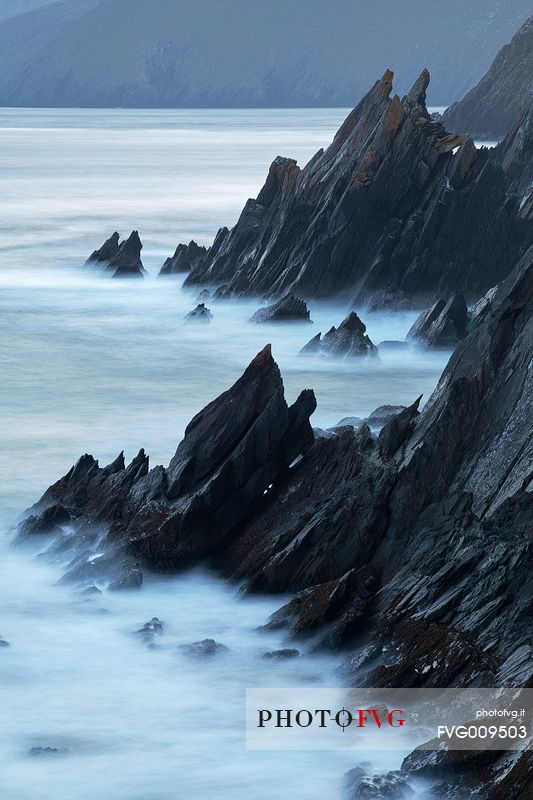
pixel 413 547
pixel 107 251
pixel 388 214
pixel 123 259
pixel 288 309
pixel 222 469
pixel 185 256
pixel 442 325
pixel 201 313
pixel 503 95
pixel 349 340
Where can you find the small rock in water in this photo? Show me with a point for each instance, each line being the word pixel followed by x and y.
pixel 222 293
pixel 347 341
pixel 289 309
pixel 201 313
pixel 205 294
pixel 3 643
pixel 287 652
pixel 204 649
pixel 150 630
pixel 45 751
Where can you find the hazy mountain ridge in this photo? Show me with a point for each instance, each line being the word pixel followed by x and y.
pixel 237 53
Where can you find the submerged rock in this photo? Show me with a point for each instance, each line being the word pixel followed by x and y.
pixel 204 295
pixel 285 653
pixel 3 643
pixel 184 258
pixel 207 648
pixel 443 325
pixel 44 752
pixel 150 631
pixel 349 340
pixel 201 313
pixel 289 308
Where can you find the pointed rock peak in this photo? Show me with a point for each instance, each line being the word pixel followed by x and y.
pixel 280 170
pixel 387 79
pixel 134 239
pixel 263 359
pixel 117 465
pixel 353 323
pixel 417 94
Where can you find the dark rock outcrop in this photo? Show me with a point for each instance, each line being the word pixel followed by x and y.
pixel 184 258
pixel 107 251
pixel 501 97
pixel 127 261
pixel 288 309
pixel 395 212
pixel 123 259
pixel 200 314
pixel 233 453
pixel 349 340
pixel 442 325
pixel 3 643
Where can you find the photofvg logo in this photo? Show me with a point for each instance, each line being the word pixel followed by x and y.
pixel 453 719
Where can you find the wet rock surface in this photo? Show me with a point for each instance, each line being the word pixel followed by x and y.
pixel 349 340
pixel 150 631
pixel 443 325
pixel 289 309
pixel 393 785
pixel 200 314
pixel 237 447
pixel 184 258
pixel 396 212
pixel 283 654
pixel 122 259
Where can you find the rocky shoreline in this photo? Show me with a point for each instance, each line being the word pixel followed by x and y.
pixel 395 213
pixel 419 535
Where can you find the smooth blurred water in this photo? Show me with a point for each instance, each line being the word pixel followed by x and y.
pixel 91 364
